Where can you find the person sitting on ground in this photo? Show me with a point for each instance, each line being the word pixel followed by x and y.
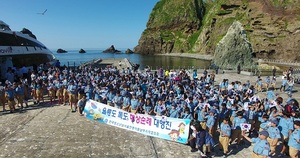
pixel 81 104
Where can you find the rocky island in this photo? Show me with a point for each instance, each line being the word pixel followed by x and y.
pixel 61 51
pixel 232 32
pixel 82 51
pixel 129 51
pixel 111 49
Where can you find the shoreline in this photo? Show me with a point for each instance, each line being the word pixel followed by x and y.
pixel 188 55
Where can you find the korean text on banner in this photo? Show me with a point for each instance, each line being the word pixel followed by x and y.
pixel 156 126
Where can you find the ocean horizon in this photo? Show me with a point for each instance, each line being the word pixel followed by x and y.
pixel 74 58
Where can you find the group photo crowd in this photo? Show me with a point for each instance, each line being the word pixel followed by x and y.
pixel 218 111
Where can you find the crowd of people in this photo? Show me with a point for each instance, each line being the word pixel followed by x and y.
pixel 216 110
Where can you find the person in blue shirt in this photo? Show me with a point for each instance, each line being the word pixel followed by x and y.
pixel 236 124
pixel 201 113
pixel 118 101
pixel 10 98
pixel 187 114
pixel 225 133
pixel 274 136
pixel 125 101
pixel 159 108
pixel 148 107
pixel 252 117
pixel 134 104
pixel 294 141
pixel 72 89
pixel 265 123
pixel 173 112
pixel 20 94
pixel 89 91
pixel 211 122
pixel 270 94
pixel 261 147
pixel 283 83
pixel 286 126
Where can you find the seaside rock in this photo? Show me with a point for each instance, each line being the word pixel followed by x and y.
pixel 111 49
pixel 82 51
pixel 61 51
pixel 234 49
pixel 129 51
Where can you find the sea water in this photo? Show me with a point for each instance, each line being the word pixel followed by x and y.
pixel 74 58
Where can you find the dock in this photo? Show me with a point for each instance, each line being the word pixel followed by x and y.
pixel 119 63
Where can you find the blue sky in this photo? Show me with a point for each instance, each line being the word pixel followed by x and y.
pixel 87 24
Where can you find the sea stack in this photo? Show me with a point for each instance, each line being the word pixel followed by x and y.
pixel 111 49
pixel 82 51
pixel 61 51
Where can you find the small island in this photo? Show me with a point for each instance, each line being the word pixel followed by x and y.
pixel 129 51
pixel 82 51
pixel 112 49
pixel 61 51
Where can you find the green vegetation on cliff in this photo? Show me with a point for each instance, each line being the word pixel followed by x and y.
pixel 197 26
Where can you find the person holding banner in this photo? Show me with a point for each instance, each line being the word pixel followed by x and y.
pixel 126 102
pixel 148 107
pixel 262 147
pixel 81 104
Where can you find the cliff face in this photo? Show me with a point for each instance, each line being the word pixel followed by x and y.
pixel 234 49
pixel 191 26
pixel 171 27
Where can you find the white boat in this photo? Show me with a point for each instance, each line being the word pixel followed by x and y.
pixel 19 49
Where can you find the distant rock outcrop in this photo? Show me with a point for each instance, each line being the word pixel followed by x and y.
pixel 234 48
pixel 82 51
pixel 111 49
pixel 61 51
pixel 129 51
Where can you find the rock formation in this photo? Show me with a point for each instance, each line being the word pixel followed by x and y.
pixel 234 48
pixel 111 49
pixel 272 27
pixel 61 51
pixel 171 27
pixel 129 51
pixel 82 51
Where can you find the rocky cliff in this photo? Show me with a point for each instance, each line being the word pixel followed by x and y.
pixel 172 27
pixel 272 27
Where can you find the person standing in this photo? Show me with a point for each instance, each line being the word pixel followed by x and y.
pixel 286 126
pixel 274 136
pixel 10 97
pixel 72 90
pixel 225 132
pixel 20 94
pixel 262 147
pixel 294 141
pixel 236 124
